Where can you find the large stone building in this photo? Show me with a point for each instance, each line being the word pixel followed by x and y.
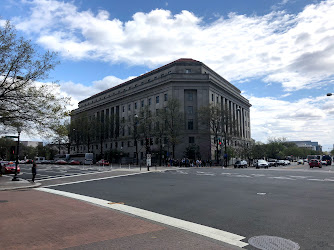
pixel 191 82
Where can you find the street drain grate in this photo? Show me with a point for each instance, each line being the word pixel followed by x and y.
pixel 265 242
pixel 3 201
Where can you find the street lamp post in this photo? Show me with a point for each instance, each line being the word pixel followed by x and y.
pixel 17 154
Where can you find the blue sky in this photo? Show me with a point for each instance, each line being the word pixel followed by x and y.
pixel 280 54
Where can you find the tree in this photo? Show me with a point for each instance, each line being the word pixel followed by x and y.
pixel 212 117
pixel 159 131
pixel 192 152
pixel 144 126
pixel 174 121
pixel 24 102
pixel 61 134
pixel 220 124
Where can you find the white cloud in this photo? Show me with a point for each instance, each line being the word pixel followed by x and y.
pixel 78 91
pixel 304 119
pixel 295 50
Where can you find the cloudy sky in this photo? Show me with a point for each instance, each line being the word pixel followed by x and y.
pixel 280 54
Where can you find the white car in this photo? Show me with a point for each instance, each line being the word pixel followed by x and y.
pixel 287 162
pixel 262 164
pixel 324 163
pixel 300 161
pixel 281 163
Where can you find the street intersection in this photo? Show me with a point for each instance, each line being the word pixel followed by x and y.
pixel 292 202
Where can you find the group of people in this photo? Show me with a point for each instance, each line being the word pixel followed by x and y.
pixel 185 162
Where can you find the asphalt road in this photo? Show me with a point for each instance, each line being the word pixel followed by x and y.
pixel 292 202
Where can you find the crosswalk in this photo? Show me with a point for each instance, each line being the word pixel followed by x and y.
pixel 252 176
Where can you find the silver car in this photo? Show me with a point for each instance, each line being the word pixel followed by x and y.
pixel 262 164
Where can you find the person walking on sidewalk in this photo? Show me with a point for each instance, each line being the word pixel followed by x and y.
pixel 34 171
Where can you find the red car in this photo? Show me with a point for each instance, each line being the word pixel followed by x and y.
pixel 61 162
pixel 103 163
pixel 315 163
pixel 74 162
pixel 9 168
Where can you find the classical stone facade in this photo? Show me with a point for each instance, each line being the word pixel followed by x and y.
pixel 191 82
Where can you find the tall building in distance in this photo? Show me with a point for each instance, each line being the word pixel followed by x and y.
pixel 189 81
pixel 308 145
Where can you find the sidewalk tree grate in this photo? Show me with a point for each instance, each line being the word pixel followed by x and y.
pixel 265 242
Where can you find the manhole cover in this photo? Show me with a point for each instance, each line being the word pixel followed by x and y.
pixel 3 201
pixel 265 242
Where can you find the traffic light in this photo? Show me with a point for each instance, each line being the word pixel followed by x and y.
pixel 219 141
pixel 151 141
pixel 147 142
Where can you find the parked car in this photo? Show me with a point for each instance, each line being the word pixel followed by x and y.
pixel 103 163
pixel 240 164
pixel 272 162
pixel 61 162
pixel 287 162
pixel 74 162
pixel 9 168
pixel 281 163
pixel 300 161
pixel 262 164
pixel 315 163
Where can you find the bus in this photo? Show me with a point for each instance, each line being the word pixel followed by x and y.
pixel 83 158
pixel 328 159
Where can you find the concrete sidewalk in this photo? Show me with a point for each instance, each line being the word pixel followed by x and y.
pixel 6 183
pixel 33 219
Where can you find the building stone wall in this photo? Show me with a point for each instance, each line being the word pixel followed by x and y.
pixel 191 82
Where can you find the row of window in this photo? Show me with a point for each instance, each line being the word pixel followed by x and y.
pixel 129 144
pixel 149 102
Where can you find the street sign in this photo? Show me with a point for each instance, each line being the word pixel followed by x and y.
pixel 11 136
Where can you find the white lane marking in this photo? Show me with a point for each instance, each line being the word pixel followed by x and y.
pixel 67 176
pixel 242 175
pixel 211 174
pixel 261 193
pixel 320 179
pixel 210 232
pixel 181 172
pixel 204 173
pixel 258 175
pixel 299 177
pixel 96 179
pixel 226 173
pixel 282 178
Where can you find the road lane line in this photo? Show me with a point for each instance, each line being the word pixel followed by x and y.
pixel 77 175
pixel 96 179
pixel 281 178
pixel 210 232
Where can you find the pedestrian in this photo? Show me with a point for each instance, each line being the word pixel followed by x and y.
pixel 34 171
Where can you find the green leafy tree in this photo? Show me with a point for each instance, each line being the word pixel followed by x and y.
pixel 23 102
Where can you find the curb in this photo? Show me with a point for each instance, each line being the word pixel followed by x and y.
pixel 22 187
